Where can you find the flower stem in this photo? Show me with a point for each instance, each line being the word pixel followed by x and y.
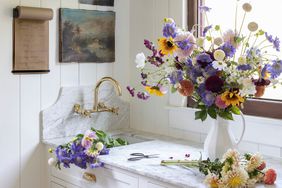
pixel 242 24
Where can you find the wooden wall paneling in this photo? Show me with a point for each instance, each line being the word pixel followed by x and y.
pixel 122 64
pixel 50 83
pixel 87 71
pixel 9 100
pixel 104 69
pixel 69 71
pixel 29 113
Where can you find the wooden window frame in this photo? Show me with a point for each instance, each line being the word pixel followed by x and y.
pixel 268 108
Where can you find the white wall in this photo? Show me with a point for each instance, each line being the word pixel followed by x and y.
pixel 158 115
pixel 22 97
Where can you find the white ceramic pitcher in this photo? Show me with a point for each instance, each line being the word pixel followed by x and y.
pixel 220 138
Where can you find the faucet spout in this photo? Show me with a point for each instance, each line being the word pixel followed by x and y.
pixel 97 87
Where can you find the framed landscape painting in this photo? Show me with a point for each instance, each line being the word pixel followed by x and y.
pixel 98 2
pixel 86 36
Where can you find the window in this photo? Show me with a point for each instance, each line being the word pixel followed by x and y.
pixel 265 14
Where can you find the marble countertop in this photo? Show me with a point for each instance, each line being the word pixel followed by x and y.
pixel 166 148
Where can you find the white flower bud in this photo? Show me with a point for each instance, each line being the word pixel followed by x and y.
pixel 99 146
pixel 52 162
pixel 219 55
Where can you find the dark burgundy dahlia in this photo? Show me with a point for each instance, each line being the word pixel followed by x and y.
pixel 214 84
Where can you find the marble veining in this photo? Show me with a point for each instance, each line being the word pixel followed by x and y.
pixel 166 147
pixel 59 120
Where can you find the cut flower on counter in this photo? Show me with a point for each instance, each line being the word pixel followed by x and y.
pixel 84 149
pixel 232 171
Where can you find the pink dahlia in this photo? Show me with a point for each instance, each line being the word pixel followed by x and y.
pixel 220 103
pixel 270 177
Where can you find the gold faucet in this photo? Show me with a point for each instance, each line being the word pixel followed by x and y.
pixel 99 106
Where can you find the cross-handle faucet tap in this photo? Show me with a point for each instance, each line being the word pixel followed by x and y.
pixel 99 106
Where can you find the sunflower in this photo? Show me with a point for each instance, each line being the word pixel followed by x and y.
pixel 232 98
pixel 154 90
pixel 167 46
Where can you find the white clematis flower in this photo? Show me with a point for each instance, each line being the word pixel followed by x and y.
pixel 219 65
pixel 249 87
pixel 219 55
pixel 140 60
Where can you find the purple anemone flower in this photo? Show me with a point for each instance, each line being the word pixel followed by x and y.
pixel 204 59
pixel 170 30
pixel 228 49
pixel 184 45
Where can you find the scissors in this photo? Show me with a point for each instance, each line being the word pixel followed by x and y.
pixel 139 156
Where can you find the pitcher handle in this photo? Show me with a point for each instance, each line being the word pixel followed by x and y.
pixel 244 128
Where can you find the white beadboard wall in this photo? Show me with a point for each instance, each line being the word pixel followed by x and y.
pixel 23 96
pixel 163 115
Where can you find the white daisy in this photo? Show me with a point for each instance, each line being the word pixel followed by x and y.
pixel 219 55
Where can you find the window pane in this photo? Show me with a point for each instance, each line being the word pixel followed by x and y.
pixel 265 13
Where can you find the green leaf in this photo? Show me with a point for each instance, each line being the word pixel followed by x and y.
pixel 212 112
pixel 226 115
pixel 235 110
pixel 202 115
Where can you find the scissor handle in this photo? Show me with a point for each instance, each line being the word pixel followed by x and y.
pixel 137 154
pixel 135 158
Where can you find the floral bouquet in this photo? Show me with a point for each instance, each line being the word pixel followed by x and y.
pixel 232 171
pixel 83 150
pixel 219 69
